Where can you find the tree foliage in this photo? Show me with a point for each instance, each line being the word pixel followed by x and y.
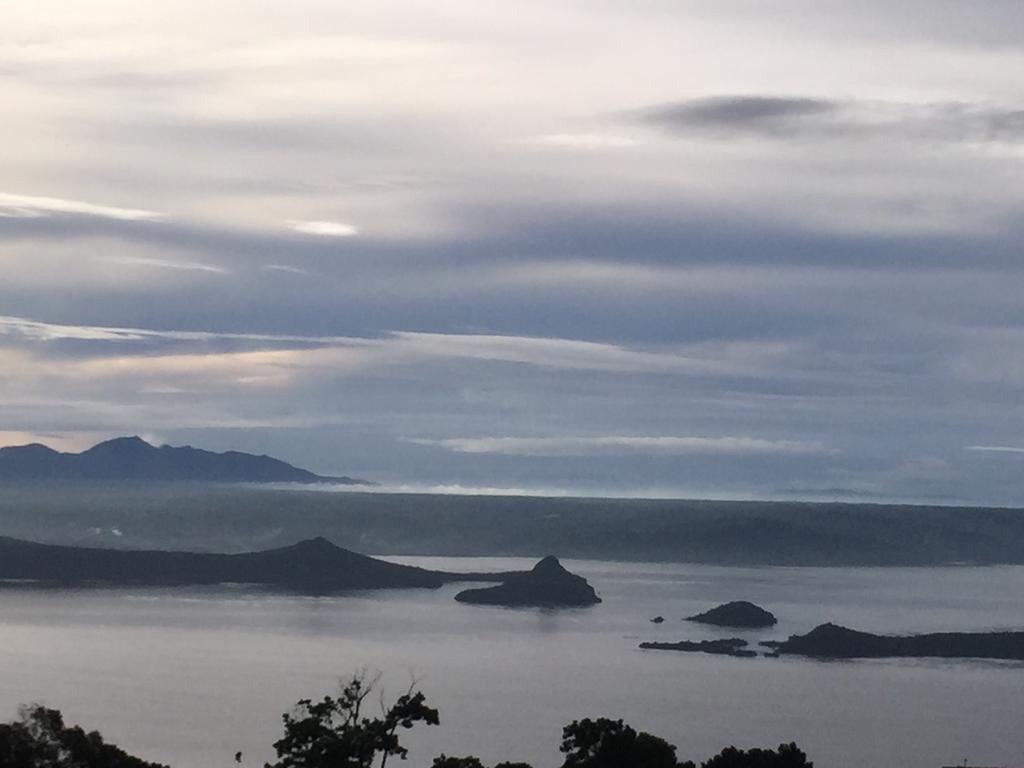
pixel 456 762
pixel 39 739
pixel 605 743
pixel 470 762
pixel 335 732
pixel 786 756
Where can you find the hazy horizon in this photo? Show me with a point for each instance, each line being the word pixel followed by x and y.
pixel 639 493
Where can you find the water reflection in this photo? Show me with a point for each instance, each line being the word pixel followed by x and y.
pixel 221 664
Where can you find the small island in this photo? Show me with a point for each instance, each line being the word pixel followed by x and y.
pixel 547 585
pixel 732 646
pixel 831 641
pixel 739 613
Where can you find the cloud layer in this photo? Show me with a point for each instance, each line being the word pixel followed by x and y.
pixel 617 445
pixel 671 247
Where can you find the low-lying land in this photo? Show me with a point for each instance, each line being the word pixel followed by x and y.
pixel 731 646
pixel 831 641
pixel 224 518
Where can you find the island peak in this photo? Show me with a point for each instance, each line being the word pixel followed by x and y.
pixel 738 613
pixel 547 584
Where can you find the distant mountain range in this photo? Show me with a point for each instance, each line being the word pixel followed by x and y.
pixel 132 458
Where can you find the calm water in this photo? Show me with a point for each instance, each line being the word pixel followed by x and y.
pixel 190 676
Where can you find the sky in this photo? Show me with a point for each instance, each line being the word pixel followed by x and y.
pixel 729 249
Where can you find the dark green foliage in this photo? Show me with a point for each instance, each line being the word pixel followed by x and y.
pixel 604 743
pixel 334 733
pixel 41 740
pixel 786 756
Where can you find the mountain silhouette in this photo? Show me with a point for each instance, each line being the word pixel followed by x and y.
pixel 738 613
pixel 548 584
pixel 831 641
pixel 314 566
pixel 132 458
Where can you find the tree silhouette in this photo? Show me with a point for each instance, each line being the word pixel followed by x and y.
pixel 334 733
pixel 605 743
pixel 456 762
pixel 39 739
pixel 786 756
pixel 470 762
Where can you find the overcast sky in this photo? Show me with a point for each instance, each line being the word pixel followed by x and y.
pixel 730 249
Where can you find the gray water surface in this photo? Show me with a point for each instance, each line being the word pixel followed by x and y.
pixel 189 676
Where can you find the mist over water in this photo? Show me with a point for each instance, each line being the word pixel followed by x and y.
pixel 189 676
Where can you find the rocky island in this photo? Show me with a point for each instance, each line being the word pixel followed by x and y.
pixel 548 584
pixel 831 641
pixel 738 613
pixel 732 646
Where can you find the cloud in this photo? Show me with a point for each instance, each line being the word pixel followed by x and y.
pixel 619 445
pixel 184 266
pixel 994 449
pixel 323 228
pixel 585 141
pixel 800 117
pixel 444 489
pixel 30 207
pixel 763 248
pixel 574 354
pixel 40 331
pixel 283 268
pixel 740 113
pixel 59 442
pixel 410 347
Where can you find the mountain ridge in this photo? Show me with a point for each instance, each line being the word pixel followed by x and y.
pixel 132 458
pixel 315 566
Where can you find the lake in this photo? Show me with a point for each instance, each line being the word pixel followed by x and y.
pixel 190 676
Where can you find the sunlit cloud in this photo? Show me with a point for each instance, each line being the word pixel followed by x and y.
pixel 33 329
pixel 584 355
pixel 618 445
pixel 585 141
pixel 324 228
pixel 994 449
pixel 28 207
pixel 407 347
pixel 58 441
pixel 183 266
